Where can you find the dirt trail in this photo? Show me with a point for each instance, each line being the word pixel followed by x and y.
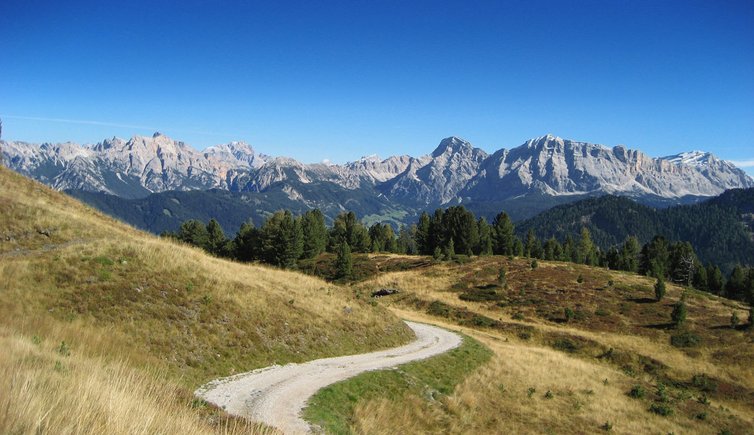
pixel 276 395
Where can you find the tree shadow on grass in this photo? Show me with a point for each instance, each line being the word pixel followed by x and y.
pixel 642 300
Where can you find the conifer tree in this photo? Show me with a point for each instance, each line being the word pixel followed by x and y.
pixel 193 232
pixel 216 240
pixel 314 233
pixel 485 237
pixel 282 239
pixel 659 289
pixel 678 316
pixel 422 238
pixel 503 235
pixel 246 244
pixel 343 261
pixel 715 282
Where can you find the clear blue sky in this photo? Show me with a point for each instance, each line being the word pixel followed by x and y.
pixel 338 80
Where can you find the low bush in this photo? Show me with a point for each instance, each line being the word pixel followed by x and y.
pixel 637 392
pixel 685 339
pixel 662 409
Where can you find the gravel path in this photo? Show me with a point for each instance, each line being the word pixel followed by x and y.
pixel 276 395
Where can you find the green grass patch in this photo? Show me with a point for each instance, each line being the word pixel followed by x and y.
pixel 332 407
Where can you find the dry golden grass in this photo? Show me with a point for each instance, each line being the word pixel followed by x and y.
pixel 128 303
pixel 495 399
pixel 47 390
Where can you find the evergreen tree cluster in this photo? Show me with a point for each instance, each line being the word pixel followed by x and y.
pixel 283 239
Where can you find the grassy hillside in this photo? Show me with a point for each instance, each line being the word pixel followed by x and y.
pixel 614 363
pixel 101 322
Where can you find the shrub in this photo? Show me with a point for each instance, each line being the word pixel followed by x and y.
pixel 610 283
pixel 566 345
pixel 483 321
pixel 530 392
pixel 685 339
pixel 480 295
pixel 569 314
pixel 501 276
pixel 64 349
pixel 534 264
pixel 659 289
pixel 704 383
pixel 549 395
pixel 580 279
pixel 662 409
pixel 607 427
pixel 518 316
pixel 734 320
pixel 637 392
pixel 437 308
pixel 601 312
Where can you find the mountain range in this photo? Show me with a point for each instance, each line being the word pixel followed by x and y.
pixel 525 180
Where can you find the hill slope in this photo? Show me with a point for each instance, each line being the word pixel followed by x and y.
pixel 576 350
pixel 720 229
pixel 90 296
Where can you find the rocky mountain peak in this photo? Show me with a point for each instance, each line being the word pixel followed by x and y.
pixel 452 145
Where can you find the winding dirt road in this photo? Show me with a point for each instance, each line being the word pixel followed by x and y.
pixel 276 395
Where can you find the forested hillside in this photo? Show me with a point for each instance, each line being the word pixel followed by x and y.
pixel 720 230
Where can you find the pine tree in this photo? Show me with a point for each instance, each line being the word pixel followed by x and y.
pixel 422 238
pixel 348 227
pixel 679 313
pixel 282 239
pixel 587 252
pixel 629 255
pixel 247 243
pixel 654 258
pixel 314 233
pixel 518 247
pixel 735 288
pixel 715 283
pixel 700 279
pixel 406 243
pixel 450 251
pixel 502 235
pixel 659 289
pixel 193 232
pixel 216 240
pixel 343 261
pixel 485 237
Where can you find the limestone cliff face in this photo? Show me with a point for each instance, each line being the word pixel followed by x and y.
pixel 556 166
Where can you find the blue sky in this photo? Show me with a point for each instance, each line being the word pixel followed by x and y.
pixel 338 80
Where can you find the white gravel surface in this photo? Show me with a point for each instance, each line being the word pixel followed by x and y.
pixel 276 395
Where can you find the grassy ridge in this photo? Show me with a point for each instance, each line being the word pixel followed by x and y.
pixel 118 296
pixel 332 408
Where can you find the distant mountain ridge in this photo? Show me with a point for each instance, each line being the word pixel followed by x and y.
pixel 534 176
